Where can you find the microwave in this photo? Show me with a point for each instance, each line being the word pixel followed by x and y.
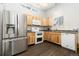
pixel 36 22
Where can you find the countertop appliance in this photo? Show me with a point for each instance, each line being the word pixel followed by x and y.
pixel 14 33
pixel 36 22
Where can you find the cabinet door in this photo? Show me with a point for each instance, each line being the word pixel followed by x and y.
pixel 36 17
pixel 29 20
pixel 49 36
pixel 55 38
pixel 44 36
pixel 28 40
pixel 31 40
pixel 50 23
pixel 47 22
pixel 43 22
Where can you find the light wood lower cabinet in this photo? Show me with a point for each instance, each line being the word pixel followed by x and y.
pixel 53 37
pixel 31 38
pixel 47 36
pixel 56 38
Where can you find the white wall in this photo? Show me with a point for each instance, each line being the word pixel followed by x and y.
pixel 70 11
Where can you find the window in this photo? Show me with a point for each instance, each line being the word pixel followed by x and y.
pixel 58 21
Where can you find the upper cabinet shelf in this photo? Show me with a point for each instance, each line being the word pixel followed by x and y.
pixel 38 26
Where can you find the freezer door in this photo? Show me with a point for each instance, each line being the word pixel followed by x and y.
pixel 21 25
pixel 7 47
pixel 19 45
pixel 0 45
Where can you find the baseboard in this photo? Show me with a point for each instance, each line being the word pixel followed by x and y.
pixel 31 45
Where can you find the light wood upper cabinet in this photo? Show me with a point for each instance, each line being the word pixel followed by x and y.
pixel 50 21
pixel 31 38
pixel 29 20
pixel 36 17
pixel 44 22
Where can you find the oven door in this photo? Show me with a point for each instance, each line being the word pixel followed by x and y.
pixel 39 39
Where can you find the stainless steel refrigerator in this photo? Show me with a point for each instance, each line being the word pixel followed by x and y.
pixel 14 33
pixel 1 33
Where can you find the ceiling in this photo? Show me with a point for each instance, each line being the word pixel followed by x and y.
pixel 41 6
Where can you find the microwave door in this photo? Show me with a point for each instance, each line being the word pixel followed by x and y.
pixel 21 25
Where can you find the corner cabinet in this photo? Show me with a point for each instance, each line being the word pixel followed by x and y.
pixel 56 37
pixel 68 40
pixel 46 22
pixel 47 36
